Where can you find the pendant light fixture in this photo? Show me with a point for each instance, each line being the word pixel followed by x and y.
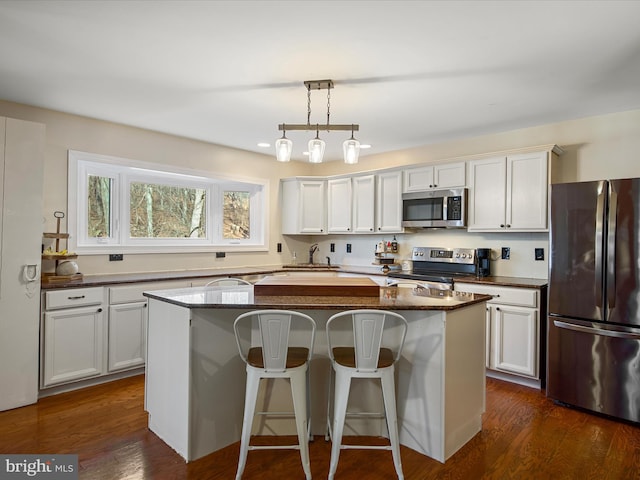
pixel 284 146
pixel 351 150
pixel 316 148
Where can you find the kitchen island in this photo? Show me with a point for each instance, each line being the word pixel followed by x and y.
pixel 195 379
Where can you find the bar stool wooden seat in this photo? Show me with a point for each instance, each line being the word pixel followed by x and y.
pixel 275 354
pixel 372 351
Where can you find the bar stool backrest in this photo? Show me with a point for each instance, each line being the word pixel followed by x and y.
pixel 227 281
pixel 274 337
pixel 370 329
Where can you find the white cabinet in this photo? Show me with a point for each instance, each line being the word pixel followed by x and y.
pixel 339 205
pixel 127 335
pixel 303 206
pixel 509 193
pixel 365 204
pixel 431 177
pixel 72 335
pixel 389 202
pixel 513 328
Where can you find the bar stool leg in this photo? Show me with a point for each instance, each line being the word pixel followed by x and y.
pixel 341 389
pixel 251 396
pixel 299 394
pixel 389 396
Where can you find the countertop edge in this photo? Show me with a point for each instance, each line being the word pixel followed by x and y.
pixel 130 278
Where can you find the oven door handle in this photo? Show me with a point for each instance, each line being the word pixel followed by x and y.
pixel 597 330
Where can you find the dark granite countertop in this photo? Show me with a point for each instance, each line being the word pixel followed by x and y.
pixel 390 298
pixel 126 278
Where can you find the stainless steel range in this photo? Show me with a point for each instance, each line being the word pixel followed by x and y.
pixel 439 267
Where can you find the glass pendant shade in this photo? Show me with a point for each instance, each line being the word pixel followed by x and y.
pixel 316 150
pixel 284 146
pixel 351 150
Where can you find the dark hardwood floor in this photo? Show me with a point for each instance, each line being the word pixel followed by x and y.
pixel 524 435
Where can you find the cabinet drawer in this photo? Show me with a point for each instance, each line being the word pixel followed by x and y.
pixel 524 297
pixel 133 293
pixel 75 297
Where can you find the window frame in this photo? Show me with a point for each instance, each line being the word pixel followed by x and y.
pixel 124 171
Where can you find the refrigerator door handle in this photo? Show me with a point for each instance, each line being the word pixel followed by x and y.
pixel 600 206
pixel 611 248
pixel 597 330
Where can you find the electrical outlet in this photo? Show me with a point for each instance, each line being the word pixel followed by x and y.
pixel 220 254
pixel 279 248
pixel 506 253
pixel 115 257
pixel 332 247
pixel 539 253
pixel 348 248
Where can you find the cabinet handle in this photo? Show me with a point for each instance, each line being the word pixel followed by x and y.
pixel 498 308
pixel 99 310
pixel 502 225
pixel 371 229
pixel 77 297
pixel 508 226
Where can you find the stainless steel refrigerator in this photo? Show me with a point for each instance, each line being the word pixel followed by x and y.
pixel 594 297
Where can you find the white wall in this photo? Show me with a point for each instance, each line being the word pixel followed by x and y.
pixel 605 146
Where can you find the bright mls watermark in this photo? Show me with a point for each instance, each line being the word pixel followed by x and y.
pixel 52 467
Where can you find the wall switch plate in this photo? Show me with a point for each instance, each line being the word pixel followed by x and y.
pixel 506 253
pixel 348 248
pixel 332 247
pixel 539 253
pixel 115 257
pixel 279 248
pixel 220 254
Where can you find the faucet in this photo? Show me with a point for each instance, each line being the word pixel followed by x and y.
pixel 312 249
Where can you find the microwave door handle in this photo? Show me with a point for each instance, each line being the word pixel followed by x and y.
pixel 611 249
pixel 599 242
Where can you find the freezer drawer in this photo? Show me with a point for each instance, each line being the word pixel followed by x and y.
pixel 595 368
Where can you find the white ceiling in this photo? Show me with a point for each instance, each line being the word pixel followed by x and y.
pixel 409 72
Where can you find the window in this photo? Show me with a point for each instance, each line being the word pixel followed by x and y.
pixel 143 208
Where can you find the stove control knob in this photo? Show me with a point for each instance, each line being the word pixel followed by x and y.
pixel 457 255
pixel 464 255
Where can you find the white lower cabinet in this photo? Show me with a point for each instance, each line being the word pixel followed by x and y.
pixel 94 332
pixel 513 328
pixel 72 336
pixel 127 335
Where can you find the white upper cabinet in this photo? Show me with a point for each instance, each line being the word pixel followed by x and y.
pixel 509 193
pixel 365 204
pixel 389 202
pixel 304 206
pixel 434 177
pixel 364 195
pixel 339 205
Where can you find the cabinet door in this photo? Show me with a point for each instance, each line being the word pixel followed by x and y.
pixel 487 195
pixel 449 175
pixel 339 205
pixel 389 202
pixel 527 187
pixel 515 340
pixel 312 206
pixel 418 179
pixel 72 347
pixel 364 194
pixel 127 335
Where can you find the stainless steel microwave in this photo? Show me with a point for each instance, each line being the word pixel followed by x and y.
pixel 435 209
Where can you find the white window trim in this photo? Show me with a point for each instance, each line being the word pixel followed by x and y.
pixel 119 243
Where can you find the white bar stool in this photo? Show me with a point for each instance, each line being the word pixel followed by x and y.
pixel 374 348
pixel 274 357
